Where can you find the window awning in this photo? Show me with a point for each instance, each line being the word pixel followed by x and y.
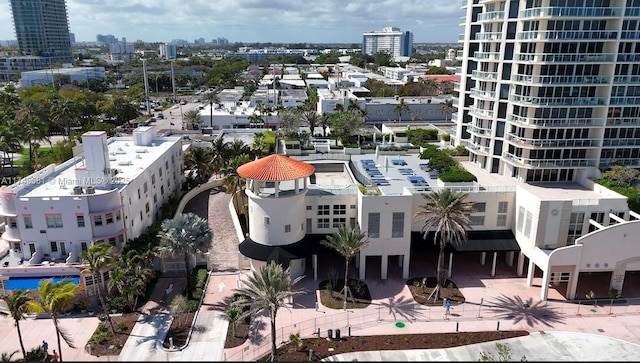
pixel 31 283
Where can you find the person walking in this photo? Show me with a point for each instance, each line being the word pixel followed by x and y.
pixel 45 346
pixel 447 306
pixel 55 356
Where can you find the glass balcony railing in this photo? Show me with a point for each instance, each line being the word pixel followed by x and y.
pixel 483 94
pixel 626 79
pixel 563 143
pixel 573 58
pixel 624 101
pixel 487 55
pixel 482 131
pixel 567 35
pixel 491 16
pixel 523 78
pixel 484 75
pixel 582 12
pixel 550 163
pixel 560 101
pixel 488 36
pixel 621 142
pixel 547 122
pixel 478 112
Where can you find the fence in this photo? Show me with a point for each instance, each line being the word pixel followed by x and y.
pixel 463 317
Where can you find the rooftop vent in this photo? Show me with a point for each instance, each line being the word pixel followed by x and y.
pixel 141 150
pixel 124 162
pixel 91 190
pixel 77 190
pixel 120 151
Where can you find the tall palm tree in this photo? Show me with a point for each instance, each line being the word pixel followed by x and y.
pixel 211 98
pixel 184 234
pixel 238 147
pixel 353 106
pixel 9 142
pixel 312 119
pixel 64 114
pixel 325 121
pixel 401 107
pixel 255 119
pixel 267 290
pixel 447 108
pixel 198 160
pixel 347 242
pixel 55 298
pixel 18 305
pixel 220 153
pixel 446 212
pixel 338 107
pixel 259 146
pixel 192 118
pixel 98 258
pixel 232 181
pixel 33 128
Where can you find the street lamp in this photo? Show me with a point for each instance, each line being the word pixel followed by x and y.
pixel 146 84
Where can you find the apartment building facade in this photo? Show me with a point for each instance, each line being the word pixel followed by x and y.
pixel 391 40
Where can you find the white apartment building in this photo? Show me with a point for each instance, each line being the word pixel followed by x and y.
pixel 391 40
pixel 167 51
pixel 565 231
pixel 110 193
pixel 48 76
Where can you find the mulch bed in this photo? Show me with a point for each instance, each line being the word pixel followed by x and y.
pixel 102 341
pixel 334 298
pixel 179 330
pixel 321 346
pixel 242 334
pixel 420 294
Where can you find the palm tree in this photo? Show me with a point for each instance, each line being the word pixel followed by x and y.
pixel 211 98
pixel 55 298
pixel 99 257
pixel 192 118
pixel 232 181
pixel 255 119
pixel 259 146
pixel 31 123
pixel 312 119
pixel 338 107
pixel 9 142
pixel 447 212
pixel 198 161
pixel 325 121
pixel 401 107
pixel 238 147
pixel 64 113
pixel 6 357
pixel 18 305
pixel 347 242
pixel 447 108
pixel 267 290
pixel 185 234
pixel 220 153
pixel 353 106
pixel 233 314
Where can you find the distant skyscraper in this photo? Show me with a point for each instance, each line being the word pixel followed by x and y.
pixel 42 28
pixel 390 39
pixel 167 51
pixel 106 39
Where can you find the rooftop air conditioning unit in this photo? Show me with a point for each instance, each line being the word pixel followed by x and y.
pixel 77 190
pixel 91 190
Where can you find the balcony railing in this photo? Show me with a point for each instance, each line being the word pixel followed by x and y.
pixel 488 36
pixel 573 58
pixel 582 12
pixel 621 142
pixel 484 75
pixel 478 112
pixel 563 143
pixel 566 35
pixel 487 55
pixel 565 122
pixel 626 79
pixel 523 78
pixel 560 101
pixel 491 16
pixel 479 130
pixel 550 163
pixel 483 94
pixel 624 101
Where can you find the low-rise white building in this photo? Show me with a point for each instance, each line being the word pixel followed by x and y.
pixel 110 194
pixel 562 231
pixel 47 76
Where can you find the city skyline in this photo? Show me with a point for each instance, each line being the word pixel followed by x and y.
pixel 333 22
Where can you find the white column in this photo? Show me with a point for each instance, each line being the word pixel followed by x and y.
pixel 450 265
pixel 384 267
pixel 509 258
pixel 363 266
pixel 520 265
pixel 405 266
pixel 493 264
pixel 277 186
pixel 573 283
pixel 483 257
pixel 297 188
pixel 546 278
pixel 314 264
pixel 530 271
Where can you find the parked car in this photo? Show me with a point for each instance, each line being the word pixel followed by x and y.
pixel 152 119
pixel 183 102
pixel 160 115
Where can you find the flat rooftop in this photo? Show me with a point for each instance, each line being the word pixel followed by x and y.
pixel 128 159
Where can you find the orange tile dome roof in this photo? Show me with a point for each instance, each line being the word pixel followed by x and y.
pixel 276 167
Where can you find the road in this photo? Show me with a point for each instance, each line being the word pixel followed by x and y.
pixel 173 115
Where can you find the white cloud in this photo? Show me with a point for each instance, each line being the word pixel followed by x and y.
pixel 286 21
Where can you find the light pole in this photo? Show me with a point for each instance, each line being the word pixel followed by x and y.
pixel 146 84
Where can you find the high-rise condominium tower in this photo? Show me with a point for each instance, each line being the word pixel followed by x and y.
pixel 550 89
pixel 391 40
pixel 42 28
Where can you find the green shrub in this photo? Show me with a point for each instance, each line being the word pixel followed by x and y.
pixel 201 278
pixel 457 175
pixel 445 137
pixel 191 306
pixel 419 136
pixel 122 326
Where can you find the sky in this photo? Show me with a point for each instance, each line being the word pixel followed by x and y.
pixel 248 21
